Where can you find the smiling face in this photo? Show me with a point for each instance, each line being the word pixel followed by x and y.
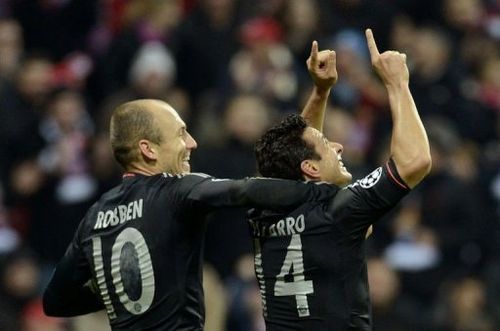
pixel 294 150
pixel 329 167
pixel 174 150
pixel 148 136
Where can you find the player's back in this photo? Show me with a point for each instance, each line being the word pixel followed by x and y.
pixel 309 270
pixel 144 245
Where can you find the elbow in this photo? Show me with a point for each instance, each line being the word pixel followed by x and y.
pixel 49 308
pixel 423 165
pixel 428 166
pixel 416 170
pixel 420 167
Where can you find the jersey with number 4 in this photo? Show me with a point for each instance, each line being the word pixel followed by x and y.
pixel 141 245
pixel 310 262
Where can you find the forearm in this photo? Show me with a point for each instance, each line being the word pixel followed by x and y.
pixel 409 144
pixel 314 110
pixel 68 292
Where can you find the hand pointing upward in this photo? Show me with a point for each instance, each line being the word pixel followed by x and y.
pixel 390 65
pixel 322 67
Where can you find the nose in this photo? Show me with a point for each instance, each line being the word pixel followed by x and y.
pixel 190 142
pixel 338 147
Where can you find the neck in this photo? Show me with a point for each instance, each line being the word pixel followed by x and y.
pixel 307 178
pixel 138 169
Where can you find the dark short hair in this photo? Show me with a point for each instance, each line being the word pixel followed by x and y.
pixel 281 150
pixel 130 123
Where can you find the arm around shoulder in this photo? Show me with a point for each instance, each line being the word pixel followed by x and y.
pixel 269 193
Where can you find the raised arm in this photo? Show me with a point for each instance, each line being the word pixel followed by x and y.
pixel 323 71
pixel 409 144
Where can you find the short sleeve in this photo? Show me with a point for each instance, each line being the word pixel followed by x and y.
pixel 364 202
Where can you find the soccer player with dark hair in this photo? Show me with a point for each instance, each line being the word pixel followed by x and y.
pixel 310 261
pixel 138 251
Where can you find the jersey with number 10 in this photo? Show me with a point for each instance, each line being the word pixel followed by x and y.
pixel 141 245
pixel 310 262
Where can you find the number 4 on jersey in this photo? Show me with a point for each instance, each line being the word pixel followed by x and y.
pixel 294 266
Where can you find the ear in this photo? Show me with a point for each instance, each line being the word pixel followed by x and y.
pixel 147 149
pixel 310 169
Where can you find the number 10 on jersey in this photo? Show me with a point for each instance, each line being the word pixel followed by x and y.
pixel 143 264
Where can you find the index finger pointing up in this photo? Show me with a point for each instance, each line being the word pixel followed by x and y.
pixel 372 46
pixel 314 52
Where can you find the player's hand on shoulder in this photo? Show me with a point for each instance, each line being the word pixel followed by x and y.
pixel 390 65
pixel 322 67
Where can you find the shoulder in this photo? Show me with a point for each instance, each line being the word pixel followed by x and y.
pixel 369 180
pixel 191 178
pixel 182 184
pixel 87 223
pixel 384 179
pixel 379 189
pixel 185 176
pixel 323 190
pixel 193 175
pixel 164 180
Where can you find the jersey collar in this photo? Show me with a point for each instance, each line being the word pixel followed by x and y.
pixel 130 175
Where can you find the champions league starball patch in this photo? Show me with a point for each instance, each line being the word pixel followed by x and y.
pixel 371 179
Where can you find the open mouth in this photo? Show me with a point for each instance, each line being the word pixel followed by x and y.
pixel 341 164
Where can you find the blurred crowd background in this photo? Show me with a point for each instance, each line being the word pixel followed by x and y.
pixel 232 68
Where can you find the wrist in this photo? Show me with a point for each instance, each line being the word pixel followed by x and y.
pixel 322 91
pixel 397 86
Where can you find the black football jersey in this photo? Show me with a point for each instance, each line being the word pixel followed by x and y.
pixel 310 262
pixel 139 248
